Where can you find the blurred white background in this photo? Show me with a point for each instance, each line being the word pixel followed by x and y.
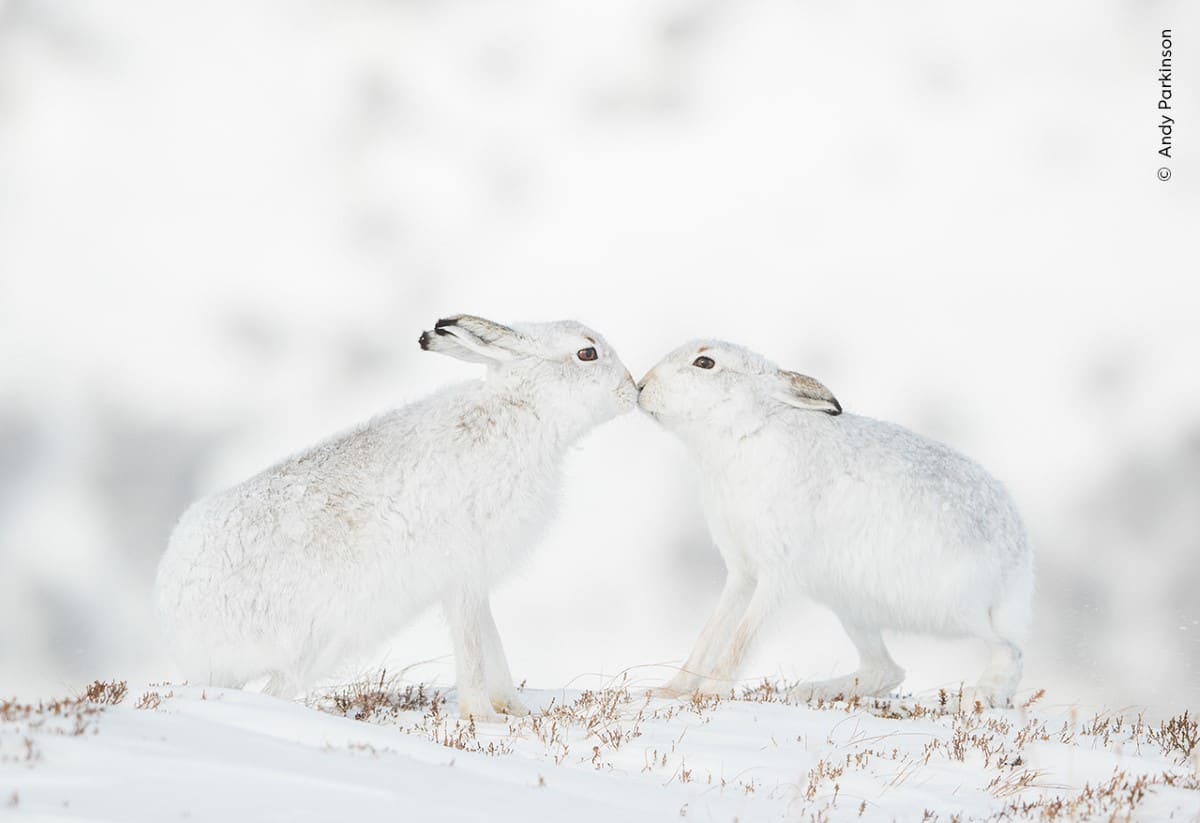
pixel 223 226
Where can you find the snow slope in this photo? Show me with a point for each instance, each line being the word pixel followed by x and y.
pixel 386 752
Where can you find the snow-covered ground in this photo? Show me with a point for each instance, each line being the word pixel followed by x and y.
pixel 386 751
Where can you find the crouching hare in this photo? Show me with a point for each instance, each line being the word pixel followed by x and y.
pixel 334 549
pixel 890 530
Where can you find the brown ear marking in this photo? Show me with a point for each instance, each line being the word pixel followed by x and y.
pixel 808 392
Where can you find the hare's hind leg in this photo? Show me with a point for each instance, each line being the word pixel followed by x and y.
pixel 501 692
pixel 715 637
pixel 999 680
pixel 1004 626
pixel 877 672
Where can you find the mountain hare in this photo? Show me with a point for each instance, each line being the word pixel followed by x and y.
pixel 334 549
pixel 887 528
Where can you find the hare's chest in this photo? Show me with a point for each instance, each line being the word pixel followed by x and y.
pixel 744 519
pixel 508 507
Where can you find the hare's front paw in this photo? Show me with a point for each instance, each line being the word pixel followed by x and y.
pixel 667 692
pixel 509 704
pixel 714 687
pixel 683 684
pixel 478 709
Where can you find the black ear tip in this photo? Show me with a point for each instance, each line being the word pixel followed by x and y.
pixel 445 321
pixel 836 410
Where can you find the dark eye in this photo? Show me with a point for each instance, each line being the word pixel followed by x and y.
pixel 586 354
pixel 703 362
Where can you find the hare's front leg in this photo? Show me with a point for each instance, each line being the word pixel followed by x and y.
pixel 500 689
pixel 729 656
pixel 714 638
pixel 464 614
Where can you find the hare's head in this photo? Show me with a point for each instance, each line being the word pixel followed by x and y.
pixel 563 364
pixel 710 383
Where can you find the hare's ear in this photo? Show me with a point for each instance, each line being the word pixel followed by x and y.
pixel 472 339
pixel 804 392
